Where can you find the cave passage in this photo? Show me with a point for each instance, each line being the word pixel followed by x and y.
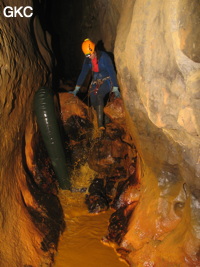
pixel 103 164
pixel 139 179
pixel 103 169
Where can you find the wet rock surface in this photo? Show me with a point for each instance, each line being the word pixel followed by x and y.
pixel 47 215
pixel 113 157
pixel 156 50
pixel 26 64
pixel 118 224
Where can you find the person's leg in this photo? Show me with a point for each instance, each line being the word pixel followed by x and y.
pixel 102 98
pixel 98 101
pixel 105 100
pixel 99 110
pixel 95 103
pixel 100 115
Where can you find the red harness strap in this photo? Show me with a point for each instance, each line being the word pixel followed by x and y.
pixel 95 66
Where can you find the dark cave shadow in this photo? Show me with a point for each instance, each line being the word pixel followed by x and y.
pixel 49 218
pixel 100 47
pixel 43 10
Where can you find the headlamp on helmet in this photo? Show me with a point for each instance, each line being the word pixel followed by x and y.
pixel 88 47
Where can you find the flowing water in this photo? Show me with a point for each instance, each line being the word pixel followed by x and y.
pixel 80 245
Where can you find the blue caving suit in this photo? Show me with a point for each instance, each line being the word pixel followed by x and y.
pixel 102 81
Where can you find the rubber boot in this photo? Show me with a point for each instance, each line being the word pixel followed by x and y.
pixel 107 119
pixel 99 111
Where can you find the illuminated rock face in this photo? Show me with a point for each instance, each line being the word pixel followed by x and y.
pixel 23 71
pixel 157 58
pixel 156 49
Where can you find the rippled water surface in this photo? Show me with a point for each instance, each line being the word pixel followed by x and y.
pixel 80 245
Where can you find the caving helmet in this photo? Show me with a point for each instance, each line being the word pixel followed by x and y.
pixel 88 47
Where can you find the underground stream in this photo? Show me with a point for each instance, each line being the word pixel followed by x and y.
pixel 91 171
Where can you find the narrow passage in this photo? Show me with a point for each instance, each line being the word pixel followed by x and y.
pixel 80 245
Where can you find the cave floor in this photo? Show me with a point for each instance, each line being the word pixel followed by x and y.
pixel 80 244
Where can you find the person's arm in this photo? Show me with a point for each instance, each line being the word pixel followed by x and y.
pixel 85 69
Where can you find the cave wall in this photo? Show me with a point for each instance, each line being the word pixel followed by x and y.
pixel 23 71
pixel 156 50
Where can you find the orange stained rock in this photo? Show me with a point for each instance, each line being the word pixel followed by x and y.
pixel 131 194
pixel 28 146
pixel 115 110
pixel 119 149
pixel 20 239
pixel 146 223
pixel 159 222
pixel 161 254
pixel 72 105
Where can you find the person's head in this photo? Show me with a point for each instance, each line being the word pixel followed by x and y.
pixel 88 48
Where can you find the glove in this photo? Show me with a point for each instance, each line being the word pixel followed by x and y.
pixel 115 90
pixel 75 90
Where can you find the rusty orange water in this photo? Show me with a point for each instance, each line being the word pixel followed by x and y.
pixel 80 245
